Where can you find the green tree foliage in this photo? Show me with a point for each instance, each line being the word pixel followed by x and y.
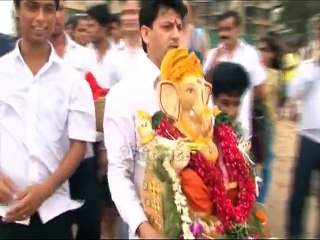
pixel 297 12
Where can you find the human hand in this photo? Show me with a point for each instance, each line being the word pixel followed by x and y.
pixel 7 189
pixel 102 161
pixel 28 202
pixel 146 231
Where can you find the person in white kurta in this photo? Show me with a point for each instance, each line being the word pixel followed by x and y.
pixel 101 45
pixel 233 49
pixel 129 56
pixel 126 166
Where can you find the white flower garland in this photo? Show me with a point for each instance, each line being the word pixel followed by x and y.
pixel 180 201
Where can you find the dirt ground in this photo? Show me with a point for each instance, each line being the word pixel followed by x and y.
pixel 283 167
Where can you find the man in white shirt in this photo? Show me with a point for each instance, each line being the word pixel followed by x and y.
pixel 129 57
pixel 46 117
pixel 160 25
pixel 101 44
pixel 80 29
pixel 116 30
pixel 233 49
pixel 305 87
pixel 84 184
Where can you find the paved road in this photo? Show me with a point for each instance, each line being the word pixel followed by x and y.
pixel 286 141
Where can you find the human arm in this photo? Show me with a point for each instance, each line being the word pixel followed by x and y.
pixel 258 75
pixel 7 189
pixel 300 85
pixel 119 135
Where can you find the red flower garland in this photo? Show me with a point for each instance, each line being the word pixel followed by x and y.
pixel 228 214
pixel 97 91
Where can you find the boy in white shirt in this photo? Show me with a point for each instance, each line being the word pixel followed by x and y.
pixel 46 118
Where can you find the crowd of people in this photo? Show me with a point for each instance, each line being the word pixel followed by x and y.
pixel 58 171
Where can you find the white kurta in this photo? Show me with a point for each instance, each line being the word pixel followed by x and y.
pixel 126 166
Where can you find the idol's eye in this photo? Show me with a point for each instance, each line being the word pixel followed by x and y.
pixel 190 90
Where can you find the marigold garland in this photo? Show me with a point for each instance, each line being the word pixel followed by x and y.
pixel 229 215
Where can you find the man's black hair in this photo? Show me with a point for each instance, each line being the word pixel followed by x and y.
pixel 70 21
pixel 230 79
pixel 230 14
pixel 101 14
pixel 115 18
pixel 77 19
pixel 275 48
pixel 150 9
pixel 17 3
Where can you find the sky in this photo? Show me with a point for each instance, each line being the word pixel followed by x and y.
pixel 6 23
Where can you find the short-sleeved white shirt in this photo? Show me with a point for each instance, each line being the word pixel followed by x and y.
pixel 102 68
pixel 38 116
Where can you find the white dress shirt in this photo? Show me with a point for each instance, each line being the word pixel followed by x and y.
pixel 125 166
pixel 38 114
pixel 248 57
pixel 102 69
pixel 81 59
pixel 119 45
pixel 127 61
pixel 306 87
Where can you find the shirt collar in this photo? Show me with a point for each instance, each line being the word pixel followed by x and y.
pixel 121 45
pixel 53 58
pixel 240 45
pixel 70 44
pixel 152 70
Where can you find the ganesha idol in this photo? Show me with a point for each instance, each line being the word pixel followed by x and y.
pixel 197 183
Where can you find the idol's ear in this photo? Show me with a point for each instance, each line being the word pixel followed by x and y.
pixel 206 93
pixel 169 99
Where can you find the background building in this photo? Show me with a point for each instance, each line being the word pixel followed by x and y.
pixel 257 16
pixel 73 7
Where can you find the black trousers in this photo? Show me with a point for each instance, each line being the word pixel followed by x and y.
pixel 58 228
pixel 308 161
pixel 84 185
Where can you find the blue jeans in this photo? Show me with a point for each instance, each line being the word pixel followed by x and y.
pixel 123 230
pixel 267 164
pixel 308 161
